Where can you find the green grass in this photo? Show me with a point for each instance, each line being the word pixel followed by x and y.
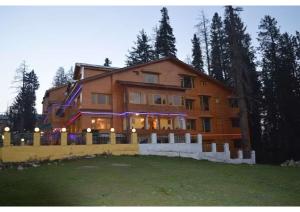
pixel 125 180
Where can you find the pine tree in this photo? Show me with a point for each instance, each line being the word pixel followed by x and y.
pixel 217 48
pixel 239 68
pixel 142 52
pixel 203 29
pixel 165 40
pixel 69 75
pixel 107 62
pixel 22 113
pixel 60 77
pixel 197 61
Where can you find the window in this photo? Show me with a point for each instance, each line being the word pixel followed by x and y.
pixel 235 122
pixel 98 98
pixel 237 143
pixel 206 124
pixel 204 103
pixel 137 122
pixel 137 98
pixel 189 104
pixel 202 83
pixel 152 123
pixel 175 100
pixel 159 99
pixel 191 124
pixel 187 82
pixel 233 102
pixel 150 78
pixel 101 123
pixel 179 123
pixel 165 124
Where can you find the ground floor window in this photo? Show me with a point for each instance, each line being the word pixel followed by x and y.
pixel 166 124
pixel 137 122
pixel 101 123
pixel 179 123
pixel 153 123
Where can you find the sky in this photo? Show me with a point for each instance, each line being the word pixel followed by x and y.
pixel 50 37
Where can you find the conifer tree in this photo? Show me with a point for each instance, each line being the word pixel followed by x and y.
pixel 60 77
pixel 142 52
pixel 197 61
pixel 217 48
pixel 107 62
pixel 165 40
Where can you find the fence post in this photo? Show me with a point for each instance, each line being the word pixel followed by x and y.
pixel 89 136
pixel 134 139
pixel 199 141
pixel 240 154
pixel 153 138
pixel 214 147
pixel 112 136
pixel 226 151
pixel 7 137
pixel 253 157
pixel 187 138
pixel 36 137
pixel 171 138
pixel 63 137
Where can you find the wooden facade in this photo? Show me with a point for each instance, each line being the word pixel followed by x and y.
pixel 161 96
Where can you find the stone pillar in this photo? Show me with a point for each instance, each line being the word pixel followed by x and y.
pixel 240 154
pixel 112 137
pixel 187 138
pixel 7 139
pixel 89 138
pixel 134 138
pixel 226 151
pixel 199 141
pixel 153 138
pixel 36 139
pixel 64 138
pixel 171 138
pixel 253 157
pixel 214 147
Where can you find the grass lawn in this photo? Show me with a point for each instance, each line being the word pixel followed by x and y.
pixel 150 181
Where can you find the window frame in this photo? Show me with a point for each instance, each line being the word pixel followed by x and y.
pixel 202 105
pixel 204 129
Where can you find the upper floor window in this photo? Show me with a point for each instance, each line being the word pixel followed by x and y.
pixel 187 82
pixel 189 104
pixel 150 78
pixel 233 102
pixel 206 124
pixel 175 100
pixel 98 98
pixel 137 98
pixel 235 122
pixel 204 103
pixel 159 99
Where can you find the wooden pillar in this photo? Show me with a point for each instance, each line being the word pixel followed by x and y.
pixel 36 139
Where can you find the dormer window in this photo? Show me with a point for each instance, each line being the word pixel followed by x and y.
pixel 150 77
pixel 187 81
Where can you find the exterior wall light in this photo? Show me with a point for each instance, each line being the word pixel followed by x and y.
pixel 63 129
pixel 133 130
pixel 137 114
pixel 2 137
pixel 112 129
pixel 36 129
pixel 6 129
pixel 88 130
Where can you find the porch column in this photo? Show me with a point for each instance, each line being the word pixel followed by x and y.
pixel 134 139
pixel 63 137
pixel 36 137
pixel 6 137
pixel 199 141
pixel 214 147
pixel 112 136
pixel 187 137
pixel 240 154
pixel 89 137
pixel 171 138
pixel 153 138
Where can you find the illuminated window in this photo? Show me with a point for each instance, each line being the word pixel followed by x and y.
pixel 98 98
pixel 137 122
pixel 204 102
pixel 179 123
pixel 101 123
pixel 166 124
pixel 152 123
pixel 150 78
pixel 137 98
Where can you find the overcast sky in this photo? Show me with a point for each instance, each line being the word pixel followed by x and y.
pixel 49 37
